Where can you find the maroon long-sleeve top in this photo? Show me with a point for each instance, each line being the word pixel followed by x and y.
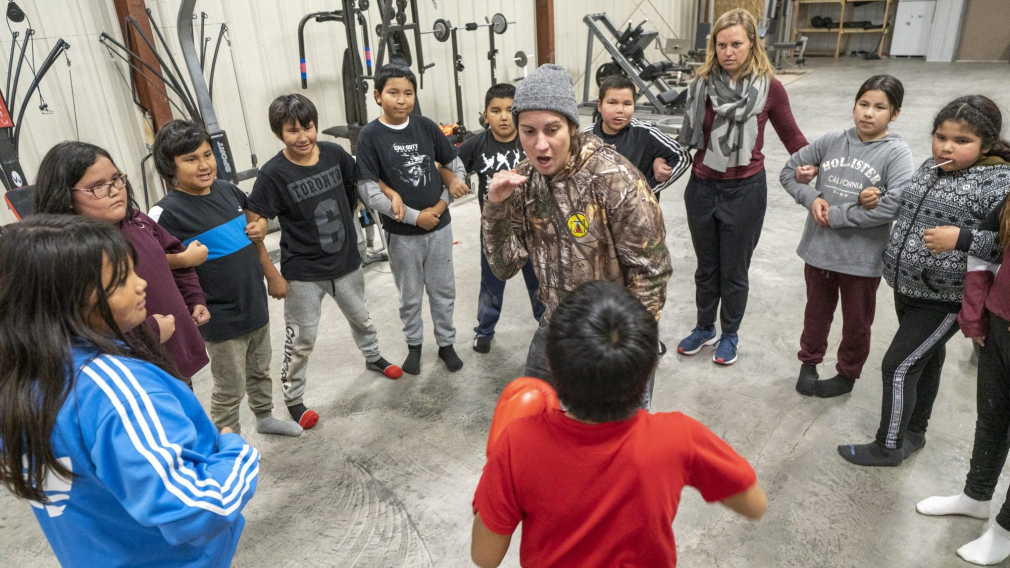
pixel 174 292
pixel 776 110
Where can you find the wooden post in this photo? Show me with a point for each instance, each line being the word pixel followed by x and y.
pixel 545 32
pixel 155 103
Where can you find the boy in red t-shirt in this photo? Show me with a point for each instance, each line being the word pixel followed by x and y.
pixel 599 484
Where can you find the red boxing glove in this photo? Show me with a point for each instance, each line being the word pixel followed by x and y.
pixel 525 396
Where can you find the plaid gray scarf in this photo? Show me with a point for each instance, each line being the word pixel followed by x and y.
pixel 734 132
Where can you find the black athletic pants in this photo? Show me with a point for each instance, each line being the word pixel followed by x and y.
pixel 725 219
pixel 992 428
pixel 911 367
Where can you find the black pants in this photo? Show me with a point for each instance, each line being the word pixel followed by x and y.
pixel 912 365
pixel 992 428
pixel 725 219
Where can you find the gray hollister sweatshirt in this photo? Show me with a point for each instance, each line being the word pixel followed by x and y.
pixel 854 243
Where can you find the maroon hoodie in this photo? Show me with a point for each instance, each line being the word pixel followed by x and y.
pixel 174 292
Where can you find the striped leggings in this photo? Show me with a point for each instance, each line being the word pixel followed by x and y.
pixel 911 367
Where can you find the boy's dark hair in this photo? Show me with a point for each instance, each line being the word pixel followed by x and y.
pixel 176 138
pixel 983 116
pixel 290 109
pixel 617 82
pixel 499 91
pixel 392 71
pixel 890 86
pixel 602 345
pixel 61 168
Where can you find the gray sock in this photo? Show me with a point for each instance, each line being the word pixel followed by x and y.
pixel 270 425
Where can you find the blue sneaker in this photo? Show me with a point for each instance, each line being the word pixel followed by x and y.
pixel 725 352
pixel 699 338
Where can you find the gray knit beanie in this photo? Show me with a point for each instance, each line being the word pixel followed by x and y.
pixel 547 88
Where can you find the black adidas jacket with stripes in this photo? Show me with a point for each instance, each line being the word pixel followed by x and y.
pixel 641 143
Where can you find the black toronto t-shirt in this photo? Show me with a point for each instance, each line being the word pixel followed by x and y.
pixel 484 155
pixel 231 278
pixel 405 160
pixel 315 206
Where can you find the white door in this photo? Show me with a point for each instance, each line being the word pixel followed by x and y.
pixel 912 25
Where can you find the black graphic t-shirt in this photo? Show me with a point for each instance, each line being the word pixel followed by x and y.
pixel 315 206
pixel 406 160
pixel 484 155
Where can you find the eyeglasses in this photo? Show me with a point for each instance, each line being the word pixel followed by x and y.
pixel 102 190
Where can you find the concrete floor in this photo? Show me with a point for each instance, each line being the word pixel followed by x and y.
pixel 386 478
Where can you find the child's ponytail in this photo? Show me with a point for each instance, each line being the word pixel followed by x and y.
pixel 983 116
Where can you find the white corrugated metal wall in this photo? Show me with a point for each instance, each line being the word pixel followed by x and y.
pixel 262 63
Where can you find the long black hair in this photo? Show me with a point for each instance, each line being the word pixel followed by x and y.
pixel 60 170
pixel 50 288
pixel 983 116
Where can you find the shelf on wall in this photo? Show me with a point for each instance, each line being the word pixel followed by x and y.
pixel 803 16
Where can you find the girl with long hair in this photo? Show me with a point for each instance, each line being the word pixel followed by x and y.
pixel 115 454
pixel 82 179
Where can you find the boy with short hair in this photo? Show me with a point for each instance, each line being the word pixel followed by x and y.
pixel 309 187
pixel 623 468
pixel 491 151
pixel 399 175
pixel 660 158
pixel 203 209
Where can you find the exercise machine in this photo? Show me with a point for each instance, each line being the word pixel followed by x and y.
pixel 627 51
pixel 444 31
pixel 18 194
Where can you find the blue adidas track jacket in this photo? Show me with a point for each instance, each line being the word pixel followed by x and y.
pixel 154 482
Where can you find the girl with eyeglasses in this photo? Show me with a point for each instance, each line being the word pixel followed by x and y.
pixel 81 179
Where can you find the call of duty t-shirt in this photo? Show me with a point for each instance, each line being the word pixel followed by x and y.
pixel 406 159
pixel 315 206
pixel 484 155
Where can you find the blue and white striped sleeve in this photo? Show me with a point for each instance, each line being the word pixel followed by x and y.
pixel 667 148
pixel 150 455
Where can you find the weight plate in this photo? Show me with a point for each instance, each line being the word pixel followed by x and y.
pixel 363 5
pixel 347 71
pixel 441 30
pixel 401 17
pixel 401 5
pixel 606 70
pixel 520 58
pixel 817 22
pixel 499 24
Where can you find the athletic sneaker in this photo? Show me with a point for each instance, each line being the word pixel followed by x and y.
pixel 725 351
pixel 699 338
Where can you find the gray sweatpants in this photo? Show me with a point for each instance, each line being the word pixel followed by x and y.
pixel 419 263
pixel 302 307
pixel 240 366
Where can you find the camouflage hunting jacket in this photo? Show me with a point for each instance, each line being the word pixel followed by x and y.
pixel 597 219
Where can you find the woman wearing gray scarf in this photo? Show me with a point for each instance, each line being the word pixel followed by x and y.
pixel 729 102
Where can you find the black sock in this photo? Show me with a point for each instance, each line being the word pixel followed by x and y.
pixel 872 454
pixel 296 411
pixel 913 442
pixel 482 344
pixel 412 364
pixel 835 386
pixel 452 361
pixel 805 382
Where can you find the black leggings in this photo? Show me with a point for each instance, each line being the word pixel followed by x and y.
pixel 992 427
pixel 911 367
pixel 725 219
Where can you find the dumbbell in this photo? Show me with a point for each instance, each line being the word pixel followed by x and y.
pixel 498 23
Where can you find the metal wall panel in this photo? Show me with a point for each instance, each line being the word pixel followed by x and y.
pixel 262 63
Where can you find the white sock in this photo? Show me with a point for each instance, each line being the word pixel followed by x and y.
pixel 954 505
pixel 270 425
pixel 991 548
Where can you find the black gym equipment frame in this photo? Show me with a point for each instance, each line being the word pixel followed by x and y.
pixel 17 193
pixel 626 49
